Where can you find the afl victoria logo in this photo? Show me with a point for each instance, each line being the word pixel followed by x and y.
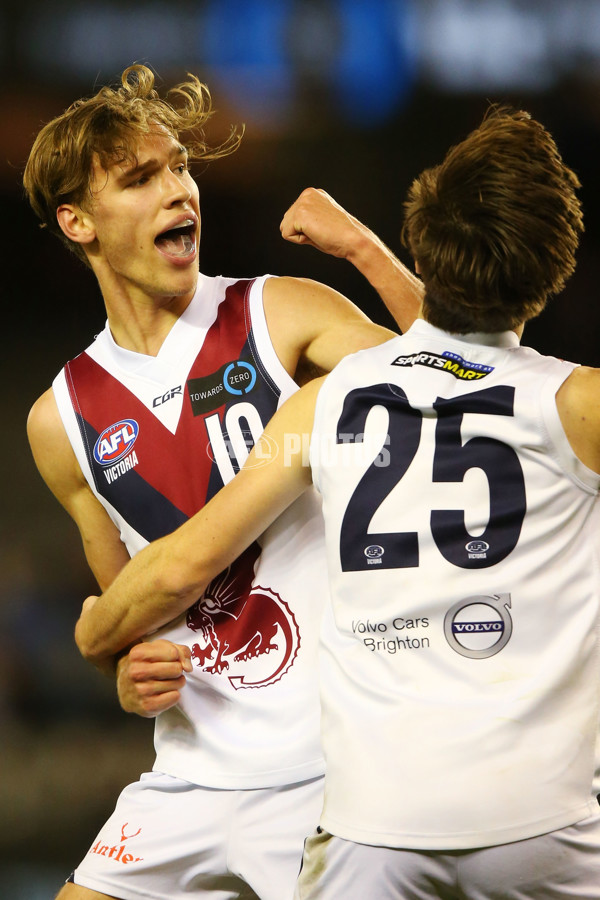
pixel 115 442
pixel 479 626
pixel 374 551
pixel 477 549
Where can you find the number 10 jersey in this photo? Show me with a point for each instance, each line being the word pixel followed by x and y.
pixel 156 438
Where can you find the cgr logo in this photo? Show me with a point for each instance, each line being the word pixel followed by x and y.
pixel 115 442
pixel 164 398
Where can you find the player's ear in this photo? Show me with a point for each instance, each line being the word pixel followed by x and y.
pixel 77 225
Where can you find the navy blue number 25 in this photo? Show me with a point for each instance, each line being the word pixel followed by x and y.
pixel 452 460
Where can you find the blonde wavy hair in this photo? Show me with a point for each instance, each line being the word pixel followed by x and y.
pixel 108 126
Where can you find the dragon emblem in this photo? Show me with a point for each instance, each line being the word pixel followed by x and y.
pixel 238 623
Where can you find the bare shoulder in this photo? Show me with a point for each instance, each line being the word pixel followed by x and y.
pixel 302 297
pixel 579 394
pixel 51 448
pixel 44 425
pixel 58 466
pixel 578 403
pixel 312 323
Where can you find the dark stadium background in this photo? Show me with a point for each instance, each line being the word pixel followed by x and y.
pixel 354 96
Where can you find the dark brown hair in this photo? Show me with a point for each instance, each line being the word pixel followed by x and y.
pixel 494 228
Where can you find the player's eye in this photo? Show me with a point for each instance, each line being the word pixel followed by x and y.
pixel 138 180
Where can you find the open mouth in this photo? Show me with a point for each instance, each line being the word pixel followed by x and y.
pixel 179 241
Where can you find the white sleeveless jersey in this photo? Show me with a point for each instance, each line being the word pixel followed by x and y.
pixel 156 438
pixel 460 656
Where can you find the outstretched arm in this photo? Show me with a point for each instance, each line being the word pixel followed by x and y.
pixel 167 576
pixel 317 220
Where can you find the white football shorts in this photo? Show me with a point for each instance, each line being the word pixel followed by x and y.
pixel 561 865
pixel 169 839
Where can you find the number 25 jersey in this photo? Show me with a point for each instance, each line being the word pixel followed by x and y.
pixel 461 657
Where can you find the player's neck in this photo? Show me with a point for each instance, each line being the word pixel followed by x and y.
pixel 141 324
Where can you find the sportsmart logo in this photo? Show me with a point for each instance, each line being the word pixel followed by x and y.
pixel 447 362
pixel 480 626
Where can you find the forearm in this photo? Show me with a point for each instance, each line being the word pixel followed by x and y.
pixel 399 288
pixel 317 220
pixel 165 578
pixel 144 596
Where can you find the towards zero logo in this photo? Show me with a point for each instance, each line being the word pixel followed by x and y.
pixel 234 379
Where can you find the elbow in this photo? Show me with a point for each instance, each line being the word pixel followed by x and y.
pixel 94 637
pixel 179 580
pixel 89 645
pixel 103 661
